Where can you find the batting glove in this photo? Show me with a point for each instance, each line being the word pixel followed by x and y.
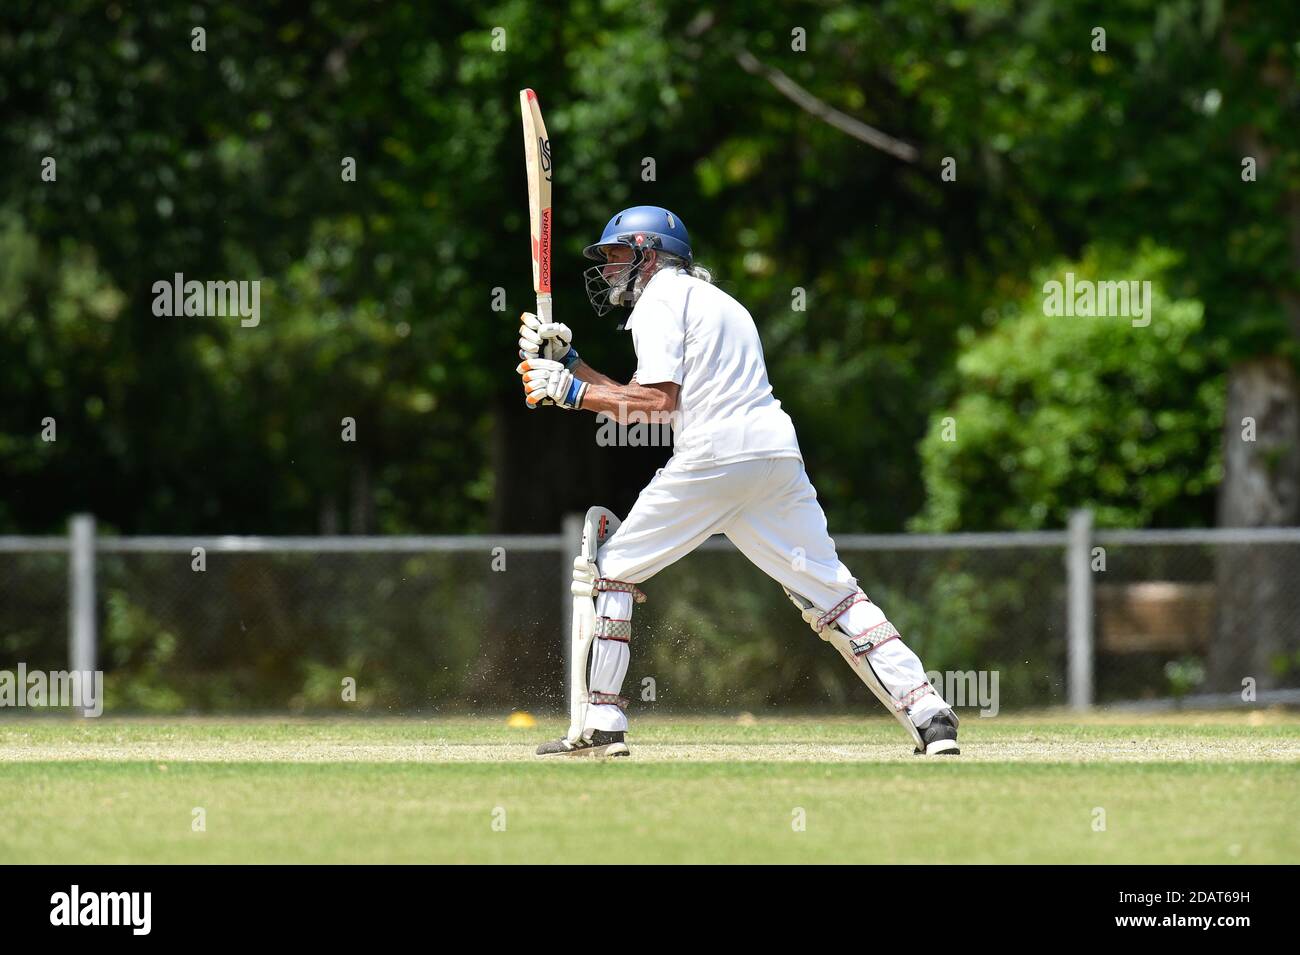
pixel 550 340
pixel 544 379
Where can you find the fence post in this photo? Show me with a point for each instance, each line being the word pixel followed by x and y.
pixel 571 533
pixel 81 590
pixel 1080 610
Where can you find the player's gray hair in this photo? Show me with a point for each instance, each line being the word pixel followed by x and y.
pixel 696 271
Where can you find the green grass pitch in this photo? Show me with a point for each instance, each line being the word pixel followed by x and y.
pixel 1195 788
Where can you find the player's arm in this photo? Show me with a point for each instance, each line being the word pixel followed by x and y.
pixel 548 380
pixel 586 373
pixel 555 341
pixel 553 373
pixel 620 401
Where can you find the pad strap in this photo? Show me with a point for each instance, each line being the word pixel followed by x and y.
pixel 620 586
pixel 912 695
pixel 600 699
pixel 875 637
pixel 839 610
pixel 610 628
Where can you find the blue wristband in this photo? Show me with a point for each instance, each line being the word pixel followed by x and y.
pixel 571 358
pixel 575 389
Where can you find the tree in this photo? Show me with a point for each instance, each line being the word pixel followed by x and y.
pixel 1058 412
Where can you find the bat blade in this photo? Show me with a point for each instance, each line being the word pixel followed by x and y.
pixel 537 159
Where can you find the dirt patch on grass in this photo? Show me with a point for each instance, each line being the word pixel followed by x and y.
pixel 1034 749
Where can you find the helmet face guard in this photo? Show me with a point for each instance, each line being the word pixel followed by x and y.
pixel 618 283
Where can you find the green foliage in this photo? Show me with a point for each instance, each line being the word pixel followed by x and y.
pixel 1054 413
pixel 226 164
pixel 134 636
pixel 270 632
pixel 1184 675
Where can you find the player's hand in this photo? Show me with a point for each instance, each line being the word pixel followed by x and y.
pixel 549 340
pixel 530 344
pixel 543 378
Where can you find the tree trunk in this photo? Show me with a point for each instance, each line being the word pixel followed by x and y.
pixel 1258 625
pixel 1259 614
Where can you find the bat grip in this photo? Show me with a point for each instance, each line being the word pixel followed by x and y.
pixel 543 316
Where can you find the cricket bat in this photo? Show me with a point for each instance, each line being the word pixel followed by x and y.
pixel 537 159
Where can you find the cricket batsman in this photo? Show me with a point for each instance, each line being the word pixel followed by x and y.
pixel 736 470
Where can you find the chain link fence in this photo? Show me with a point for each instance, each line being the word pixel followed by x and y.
pixel 1197 616
pixel 428 625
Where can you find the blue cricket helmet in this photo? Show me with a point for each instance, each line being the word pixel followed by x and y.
pixel 644 227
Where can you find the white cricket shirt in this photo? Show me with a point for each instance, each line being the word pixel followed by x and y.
pixel 690 332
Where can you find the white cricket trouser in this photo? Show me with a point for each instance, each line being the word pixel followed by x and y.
pixel 769 510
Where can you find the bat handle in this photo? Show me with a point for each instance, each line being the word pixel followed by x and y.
pixel 543 316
